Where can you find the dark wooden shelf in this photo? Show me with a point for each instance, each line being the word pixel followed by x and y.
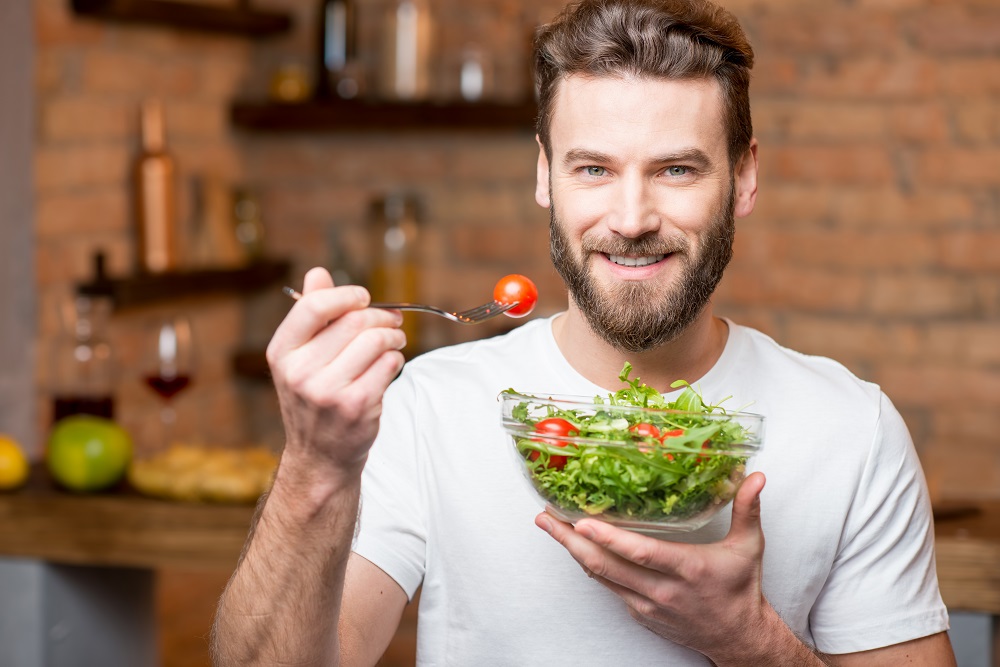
pixel 356 115
pixel 150 288
pixel 238 19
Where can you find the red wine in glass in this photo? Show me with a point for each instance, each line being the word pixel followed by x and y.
pixel 168 387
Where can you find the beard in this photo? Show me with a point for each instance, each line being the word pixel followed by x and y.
pixel 638 316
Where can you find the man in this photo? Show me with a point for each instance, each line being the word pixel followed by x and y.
pixel 646 157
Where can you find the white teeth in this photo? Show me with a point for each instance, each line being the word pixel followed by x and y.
pixel 635 261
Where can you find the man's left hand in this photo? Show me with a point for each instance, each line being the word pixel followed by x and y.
pixel 704 596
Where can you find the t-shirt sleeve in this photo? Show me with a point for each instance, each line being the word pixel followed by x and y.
pixel 883 587
pixel 391 530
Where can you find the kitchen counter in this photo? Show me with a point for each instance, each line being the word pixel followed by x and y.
pixel 115 542
pixel 121 529
pixel 127 530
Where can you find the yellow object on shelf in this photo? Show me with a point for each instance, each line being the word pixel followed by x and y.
pixel 199 474
pixel 13 464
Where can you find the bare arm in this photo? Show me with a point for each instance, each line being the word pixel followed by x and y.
pixel 932 651
pixel 331 360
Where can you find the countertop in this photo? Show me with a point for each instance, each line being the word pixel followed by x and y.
pixel 124 529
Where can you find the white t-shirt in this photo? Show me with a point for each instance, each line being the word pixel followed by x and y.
pixel 848 562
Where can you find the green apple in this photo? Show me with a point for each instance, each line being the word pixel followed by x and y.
pixel 87 453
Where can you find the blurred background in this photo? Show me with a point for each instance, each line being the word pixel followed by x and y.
pixel 186 159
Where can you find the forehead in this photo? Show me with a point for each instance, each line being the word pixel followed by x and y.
pixel 637 115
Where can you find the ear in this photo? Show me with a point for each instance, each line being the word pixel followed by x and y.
pixel 542 176
pixel 746 182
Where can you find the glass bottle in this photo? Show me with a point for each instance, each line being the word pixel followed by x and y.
pixel 395 275
pixel 338 71
pixel 83 366
pixel 155 195
pixel 406 51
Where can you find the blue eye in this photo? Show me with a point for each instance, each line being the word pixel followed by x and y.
pixel 677 171
pixel 595 171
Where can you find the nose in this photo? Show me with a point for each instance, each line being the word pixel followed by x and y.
pixel 634 212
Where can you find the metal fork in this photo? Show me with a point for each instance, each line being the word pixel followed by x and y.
pixel 471 316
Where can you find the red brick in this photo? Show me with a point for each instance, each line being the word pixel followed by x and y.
pixel 857 164
pixel 955 30
pixel 969 343
pixel 773 74
pixel 971 252
pixel 811 290
pixel 828 30
pixel 78 118
pixel 83 165
pixel 978 121
pixel 929 208
pixel 970 77
pixel 854 339
pixel 93 211
pixel 962 167
pixel 791 203
pixel 803 121
pixel 920 295
pixel 852 249
pixel 944 388
pixel 919 122
pixel 196 120
pixel 868 77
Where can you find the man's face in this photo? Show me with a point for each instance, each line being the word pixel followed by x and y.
pixel 642 200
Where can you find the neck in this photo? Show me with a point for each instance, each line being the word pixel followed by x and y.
pixel 689 357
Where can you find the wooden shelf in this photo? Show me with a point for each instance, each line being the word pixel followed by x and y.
pixel 151 288
pixel 119 529
pixel 356 115
pixel 238 20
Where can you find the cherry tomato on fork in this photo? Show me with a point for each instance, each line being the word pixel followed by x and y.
pixel 553 426
pixel 518 289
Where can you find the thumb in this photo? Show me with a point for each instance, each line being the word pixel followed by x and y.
pixel 316 278
pixel 745 527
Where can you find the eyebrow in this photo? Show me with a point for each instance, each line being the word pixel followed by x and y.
pixel 692 156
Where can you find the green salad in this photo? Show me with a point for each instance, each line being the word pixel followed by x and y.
pixel 680 459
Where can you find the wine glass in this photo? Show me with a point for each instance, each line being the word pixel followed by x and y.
pixel 168 367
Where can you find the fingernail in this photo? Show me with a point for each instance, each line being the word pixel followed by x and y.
pixel 545 524
pixel 363 296
pixel 586 531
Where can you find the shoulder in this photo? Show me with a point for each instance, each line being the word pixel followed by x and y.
pixel 802 377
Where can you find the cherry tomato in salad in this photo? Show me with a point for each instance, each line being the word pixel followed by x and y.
pixel 518 289
pixel 670 434
pixel 558 427
pixel 645 430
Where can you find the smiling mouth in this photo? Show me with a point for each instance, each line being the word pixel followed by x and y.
pixel 621 260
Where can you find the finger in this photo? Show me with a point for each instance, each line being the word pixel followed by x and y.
pixel 313 313
pixel 596 561
pixel 745 529
pixel 355 359
pixel 316 278
pixel 377 378
pixel 331 341
pixel 647 552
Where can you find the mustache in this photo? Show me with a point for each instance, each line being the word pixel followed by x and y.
pixel 643 246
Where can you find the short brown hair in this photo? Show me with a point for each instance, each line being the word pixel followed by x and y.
pixel 673 39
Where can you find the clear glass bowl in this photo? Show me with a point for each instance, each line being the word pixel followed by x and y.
pixel 671 480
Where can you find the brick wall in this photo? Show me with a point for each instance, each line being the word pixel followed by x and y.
pixel 874 239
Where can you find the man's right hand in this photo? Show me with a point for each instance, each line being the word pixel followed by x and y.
pixel 332 359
